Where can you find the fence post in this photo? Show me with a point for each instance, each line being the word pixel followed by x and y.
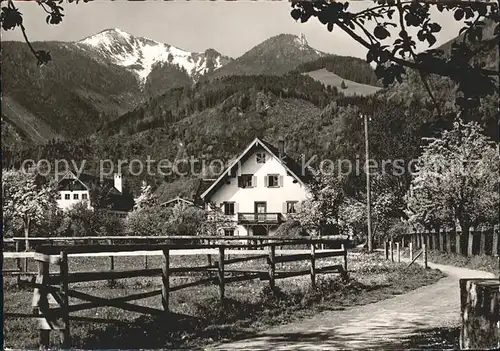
pixel 441 240
pixel 411 251
pixel 18 266
pixel 146 257
pixel 398 252
pixel 345 258
pixel 272 265
pixel 458 243
pixel 470 242
pixel 26 249
pixel 386 249
pixel 391 249
pixel 63 290
pixel 209 257
pixel 165 279
pixel 494 249
pixel 424 255
pixel 434 240
pixel 482 243
pixel 220 270
pixel 42 304
pixel 313 266
pixel 111 265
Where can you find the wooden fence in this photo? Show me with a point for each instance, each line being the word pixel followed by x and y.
pixel 477 242
pixel 392 251
pixel 17 244
pixel 52 291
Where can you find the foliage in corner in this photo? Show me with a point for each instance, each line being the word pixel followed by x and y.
pixel 393 57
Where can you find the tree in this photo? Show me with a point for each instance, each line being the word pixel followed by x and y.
pixel 465 64
pixel 321 209
pixel 342 85
pixel 186 220
pixel 27 198
pixel 146 198
pixel 387 209
pixel 457 180
pixel 11 18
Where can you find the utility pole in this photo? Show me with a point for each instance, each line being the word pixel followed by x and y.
pixel 368 192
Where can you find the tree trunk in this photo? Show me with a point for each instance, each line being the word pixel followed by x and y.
pixel 26 233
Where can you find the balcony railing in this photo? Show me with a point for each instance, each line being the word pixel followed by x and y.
pixel 264 218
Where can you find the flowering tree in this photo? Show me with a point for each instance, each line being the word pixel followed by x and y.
pixel 27 199
pixel 146 198
pixel 147 218
pixel 457 180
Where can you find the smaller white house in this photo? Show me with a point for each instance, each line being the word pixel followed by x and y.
pixel 258 190
pixel 74 189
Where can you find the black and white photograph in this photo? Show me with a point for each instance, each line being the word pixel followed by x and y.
pixel 250 174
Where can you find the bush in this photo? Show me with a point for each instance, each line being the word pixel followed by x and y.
pixel 82 221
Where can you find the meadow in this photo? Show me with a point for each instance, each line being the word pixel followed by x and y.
pixel 197 316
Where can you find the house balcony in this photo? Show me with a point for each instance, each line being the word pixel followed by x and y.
pixel 260 218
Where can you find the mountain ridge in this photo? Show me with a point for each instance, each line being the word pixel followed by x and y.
pixel 139 54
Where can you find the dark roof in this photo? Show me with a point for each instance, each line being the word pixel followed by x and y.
pixel 120 202
pixel 88 180
pixel 114 200
pixel 304 174
pixel 203 185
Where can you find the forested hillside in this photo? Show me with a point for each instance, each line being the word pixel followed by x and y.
pixel 347 67
pixel 74 94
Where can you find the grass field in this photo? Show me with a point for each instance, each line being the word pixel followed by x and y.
pixel 198 318
pixel 353 88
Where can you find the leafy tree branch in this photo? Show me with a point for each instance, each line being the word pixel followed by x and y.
pixel 392 59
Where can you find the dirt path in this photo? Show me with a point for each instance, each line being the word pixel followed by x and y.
pixel 383 325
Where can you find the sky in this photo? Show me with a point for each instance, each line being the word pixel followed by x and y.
pixel 230 27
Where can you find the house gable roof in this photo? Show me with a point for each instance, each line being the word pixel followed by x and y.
pixel 88 180
pixel 292 167
pixel 177 199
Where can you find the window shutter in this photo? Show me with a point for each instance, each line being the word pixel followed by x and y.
pixel 236 207
pixel 280 180
pixel 266 181
pixel 254 181
pixel 283 210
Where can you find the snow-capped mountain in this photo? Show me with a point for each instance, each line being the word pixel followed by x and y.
pixel 139 54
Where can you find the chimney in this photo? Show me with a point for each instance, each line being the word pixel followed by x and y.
pixel 281 148
pixel 118 182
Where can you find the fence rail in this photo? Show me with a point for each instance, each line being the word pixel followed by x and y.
pixel 484 241
pixel 52 290
pixel 14 249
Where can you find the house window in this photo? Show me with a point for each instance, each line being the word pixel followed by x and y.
pixel 273 181
pixel 245 181
pixel 261 157
pixel 84 196
pixel 229 208
pixel 228 232
pixel 67 197
pixel 75 196
pixel 291 207
pixel 59 196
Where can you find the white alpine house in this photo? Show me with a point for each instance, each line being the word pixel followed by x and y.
pixel 258 190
